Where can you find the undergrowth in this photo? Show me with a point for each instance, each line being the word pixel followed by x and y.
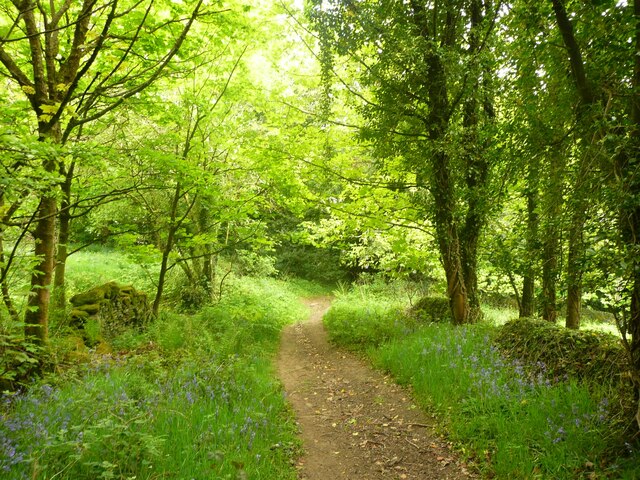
pixel 509 421
pixel 95 266
pixel 360 319
pixel 192 398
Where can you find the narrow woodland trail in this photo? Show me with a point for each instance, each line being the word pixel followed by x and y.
pixel 355 422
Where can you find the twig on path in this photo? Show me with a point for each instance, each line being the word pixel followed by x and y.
pixel 411 443
pixel 423 425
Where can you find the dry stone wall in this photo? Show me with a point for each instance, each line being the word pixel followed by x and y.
pixel 111 309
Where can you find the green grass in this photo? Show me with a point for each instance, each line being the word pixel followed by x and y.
pixel 510 423
pixel 194 397
pixel 306 288
pixel 498 315
pixel 95 266
pixel 357 320
pixel 523 426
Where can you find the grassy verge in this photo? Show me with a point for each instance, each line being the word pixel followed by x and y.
pixel 511 423
pixel 357 321
pixel 192 398
pixel 95 266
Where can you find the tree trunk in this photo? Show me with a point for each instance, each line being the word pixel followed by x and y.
pixel 37 315
pixel 449 241
pixel 552 208
pixel 6 295
pixel 527 307
pixel 578 204
pixel 64 224
pixel 550 276
pixel 575 266
pixel 477 166
pixel 208 260
pixel 168 247
pixel 4 286
pixel 470 275
pixel 469 258
pixel 458 300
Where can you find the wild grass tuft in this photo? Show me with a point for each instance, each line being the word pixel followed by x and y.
pixel 520 426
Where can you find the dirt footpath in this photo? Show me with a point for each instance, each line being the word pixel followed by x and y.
pixel 355 422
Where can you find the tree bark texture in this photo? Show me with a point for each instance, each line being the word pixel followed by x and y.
pixel 37 314
pixel 440 182
pixel 64 224
pixel 575 266
pixel 575 262
pixel 477 166
pixel 447 232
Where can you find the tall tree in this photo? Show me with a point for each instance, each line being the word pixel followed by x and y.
pixel 86 59
pixel 628 174
pixel 426 68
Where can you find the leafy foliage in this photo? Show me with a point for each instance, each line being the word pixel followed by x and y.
pixel 19 361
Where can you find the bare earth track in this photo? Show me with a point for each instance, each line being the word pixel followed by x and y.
pixel 355 423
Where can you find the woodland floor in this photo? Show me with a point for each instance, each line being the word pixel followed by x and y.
pixel 356 423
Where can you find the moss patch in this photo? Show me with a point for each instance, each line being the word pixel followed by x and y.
pixel 584 355
pixel 431 310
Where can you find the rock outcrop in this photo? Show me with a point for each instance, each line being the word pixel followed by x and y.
pixel 107 310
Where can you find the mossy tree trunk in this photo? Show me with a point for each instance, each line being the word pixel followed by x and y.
pixel 37 314
pixel 478 106
pixel 579 203
pixel 64 226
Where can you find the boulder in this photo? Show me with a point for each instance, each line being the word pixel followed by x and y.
pixel 113 308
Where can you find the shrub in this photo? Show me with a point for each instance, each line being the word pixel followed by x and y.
pixel 561 352
pixel 19 360
pixel 431 310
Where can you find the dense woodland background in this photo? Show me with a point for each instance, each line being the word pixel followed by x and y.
pixel 482 151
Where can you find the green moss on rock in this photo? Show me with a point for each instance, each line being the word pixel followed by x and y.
pixel 110 309
pixel 431 310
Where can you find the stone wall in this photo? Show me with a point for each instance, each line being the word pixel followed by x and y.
pixel 108 310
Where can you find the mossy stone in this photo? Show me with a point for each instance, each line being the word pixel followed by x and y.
pixel 90 309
